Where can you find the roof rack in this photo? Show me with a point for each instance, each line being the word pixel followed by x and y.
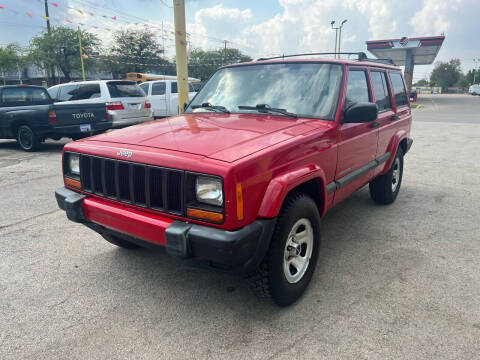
pixel 361 56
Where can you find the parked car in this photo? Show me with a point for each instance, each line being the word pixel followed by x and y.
pixel 163 95
pixel 241 180
pixel 27 114
pixel 474 90
pixel 126 102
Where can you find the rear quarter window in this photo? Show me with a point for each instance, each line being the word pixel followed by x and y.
pixel 119 89
pixel 399 90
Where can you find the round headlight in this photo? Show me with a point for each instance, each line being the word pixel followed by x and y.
pixel 74 164
pixel 209 191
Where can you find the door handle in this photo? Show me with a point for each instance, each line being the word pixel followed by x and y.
pixel 374 124
pixel 394 117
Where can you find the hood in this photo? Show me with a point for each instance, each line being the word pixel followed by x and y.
pixel 226 137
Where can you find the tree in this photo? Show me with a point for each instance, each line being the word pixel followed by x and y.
pixel 446 74
pixel 422 82
pixel 470 78
pixel 10 58
pixel 134 51
pixel 202 64
pixel 61 50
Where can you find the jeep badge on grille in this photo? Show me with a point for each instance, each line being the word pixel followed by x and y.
pixel 125 153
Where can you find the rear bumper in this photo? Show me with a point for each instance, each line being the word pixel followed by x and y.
pixel 240 250
pixel 122 122
pixel 409 144
pixel 75 129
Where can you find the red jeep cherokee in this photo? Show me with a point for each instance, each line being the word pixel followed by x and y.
pixel 241 180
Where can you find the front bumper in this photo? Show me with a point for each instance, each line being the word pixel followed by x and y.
pixel 239 250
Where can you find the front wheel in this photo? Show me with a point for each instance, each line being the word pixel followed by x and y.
pixel 287 269
pixel 27 139
pixel 384 189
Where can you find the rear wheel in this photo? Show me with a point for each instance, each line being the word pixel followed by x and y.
pixel 288 267
pixel 115 240
pixel 384 189
pixel 27 139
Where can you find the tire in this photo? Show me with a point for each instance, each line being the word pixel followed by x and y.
pixel 276 278
pixel 384 188
pixel 27 139
pixel 120 242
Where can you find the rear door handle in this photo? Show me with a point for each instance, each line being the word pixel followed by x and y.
pixel 394 117
pixel 374 124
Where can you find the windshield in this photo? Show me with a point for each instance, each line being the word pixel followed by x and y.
pixel 305 89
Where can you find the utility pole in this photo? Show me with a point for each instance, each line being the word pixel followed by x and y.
pixel 47 19
pixel 81 52
pixel 181 52
pixel 475 66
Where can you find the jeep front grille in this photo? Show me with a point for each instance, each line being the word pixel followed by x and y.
pixel 147 186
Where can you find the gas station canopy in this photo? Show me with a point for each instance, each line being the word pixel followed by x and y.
pixel 407 52
pixel 423 49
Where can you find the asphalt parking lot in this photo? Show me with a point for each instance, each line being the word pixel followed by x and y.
pixel 395 282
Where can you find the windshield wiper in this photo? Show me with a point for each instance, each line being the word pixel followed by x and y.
pixel 267 108
pixel 210 106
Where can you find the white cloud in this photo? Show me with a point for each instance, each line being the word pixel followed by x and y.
pixel 435 17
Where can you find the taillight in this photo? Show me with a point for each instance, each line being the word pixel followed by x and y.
pixel 115 105
pixel 52 117
pixel 147 104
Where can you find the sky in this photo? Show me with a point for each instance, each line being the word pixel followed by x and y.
pixel 262 27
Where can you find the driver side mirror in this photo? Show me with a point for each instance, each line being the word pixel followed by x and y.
pixel 360 113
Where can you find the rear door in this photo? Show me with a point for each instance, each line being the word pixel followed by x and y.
pixel 131 96
pixel 400 117
pixel 173 99
pixel 386 115
pixel 357 145
pixel 158 99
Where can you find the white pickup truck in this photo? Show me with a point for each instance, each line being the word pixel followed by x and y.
pixel 163 95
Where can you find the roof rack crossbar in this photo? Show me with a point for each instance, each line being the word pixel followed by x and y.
pixel 320 53
pixel 361 56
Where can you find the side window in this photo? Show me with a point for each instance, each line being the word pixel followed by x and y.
pixel 174 87
pixel 37 95
pixel 86 91
pixel 14 95
pixel 144 87
pixel 380 89
pixel 399 89
pixel 67 92
pixel 53 93
pixel 158 88
pixel 357 88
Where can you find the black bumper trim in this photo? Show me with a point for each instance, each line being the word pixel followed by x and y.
pixel 242 249
pixel 71 202
pixel 238 250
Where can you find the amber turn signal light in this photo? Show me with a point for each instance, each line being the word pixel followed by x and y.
pixel 205 215
pixel 72 182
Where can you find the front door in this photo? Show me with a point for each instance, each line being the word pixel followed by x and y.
pixel 357 142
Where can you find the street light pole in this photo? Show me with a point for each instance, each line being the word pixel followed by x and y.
pixel 336 34
pixel 340 36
